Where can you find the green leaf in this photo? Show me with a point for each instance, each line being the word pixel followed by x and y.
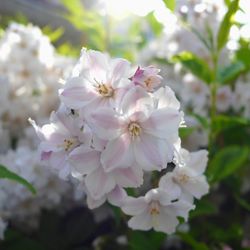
pixel 154 24
pixel 185 132
pixel 226 162
pixel 203 207
pixel 230 72
pixel 53 35
pixel 190 240
pixel 145 240
pixel 170 4
pixel 195 65
pixel 242 202
pixel 222 122
pixel 7 174
pixel 243 55
pixel 226 24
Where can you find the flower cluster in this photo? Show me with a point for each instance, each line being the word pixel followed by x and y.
pixel 29 76
pixel 114 125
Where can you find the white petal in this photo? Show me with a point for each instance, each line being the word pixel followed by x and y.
pixel 197 186
pixel 168 185
pixel 117 154
pixel 166 222
pixel 129 177
pixel 106 124
pixel 76 94
pixel 152 153
pixel 141 222
pixel 163 123
pixel 117 196
pixel 84 159
pixel 134 206
pixel 99 183
pixel 198 161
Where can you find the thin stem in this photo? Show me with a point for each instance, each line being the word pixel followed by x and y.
pixel 213 95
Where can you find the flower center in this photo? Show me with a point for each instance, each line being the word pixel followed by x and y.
pixel 148 81
pixel 68 144
pixel 182 178
pixel 154 208
pixel 134 129
pixel 104 90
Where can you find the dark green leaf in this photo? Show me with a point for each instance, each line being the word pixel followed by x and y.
pixel 7 174
pixel 245 204
pixel 226 162
pixel 195 65
pixel 203 207
pixel 185 132
pixel 243 55
pixel 230 72
pixel 188 238
pixel 170 4
pixel 226 24
pixel 222 122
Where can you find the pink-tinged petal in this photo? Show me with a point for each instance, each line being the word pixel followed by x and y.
pixel 92 204
pixel 152 153
pixel 158 194
pixel 99 183
pixel 84 159
pixel 135 100
pixel 180 208
pixel 117 154
pixel 97 64
pixel 197 186
pixel 163 123
pixel 117 196
pixel 134 206
pixel 46 155
pixel 166 98
pixel 76 94
pixel 38 130
pixel 198 161
pixel 165 222
pixel 106 123
pixel 119 69
pixel 98 144
pixel 129 177
pixel 168 185
pixel 57 160
pixel 141 222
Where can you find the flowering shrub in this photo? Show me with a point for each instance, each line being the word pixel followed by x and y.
pixel 112 127
pixel 133 156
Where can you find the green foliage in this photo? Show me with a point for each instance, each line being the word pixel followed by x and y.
pixel 154 24
pixel 185 132
pixel 243 55
pixel 145 240
pixel 170 4
pixel 230 72
pixel 193 242
pixel 195 65
pixel 203 207
pixel 226 162
pixel 226 24
pixel 89 22
pixel 7 174
pixel 54 35
pixel 222 122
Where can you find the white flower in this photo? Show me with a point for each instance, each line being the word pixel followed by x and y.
pixel 141 132
pixel 97 81
pixel 224 98
pixel 187 177
pixel 157 210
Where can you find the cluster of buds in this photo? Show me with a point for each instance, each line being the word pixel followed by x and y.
pixel 114 125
